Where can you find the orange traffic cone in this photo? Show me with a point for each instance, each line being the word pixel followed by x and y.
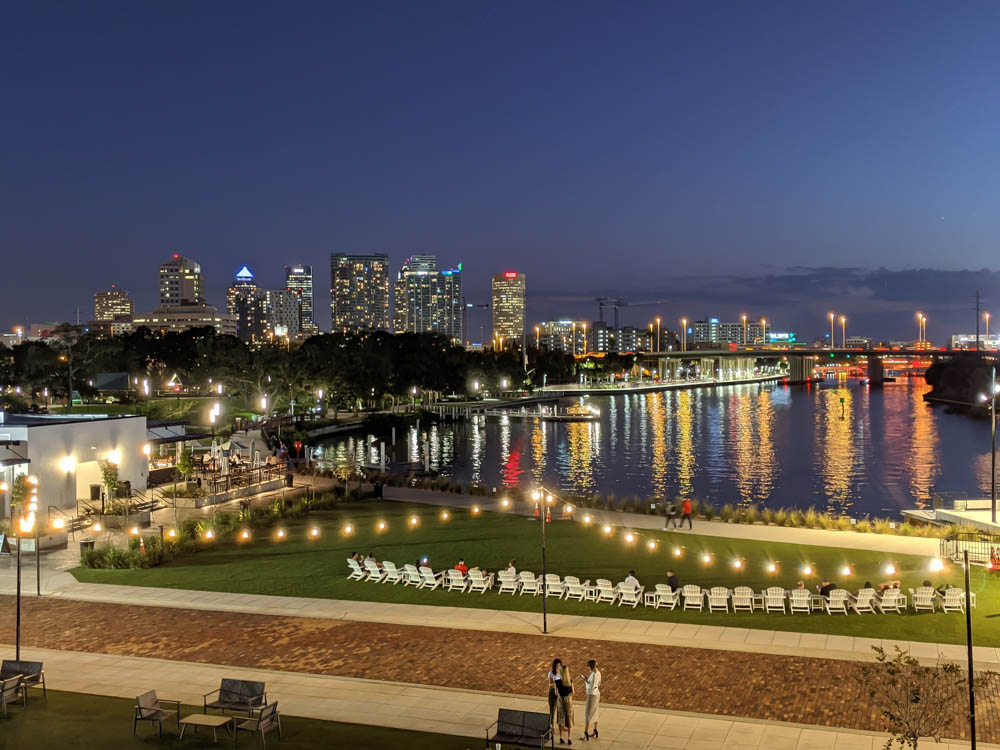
pixel 142 546
pixel 548 515
pixel 536 511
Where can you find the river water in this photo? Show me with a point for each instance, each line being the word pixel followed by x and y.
pixel 839 446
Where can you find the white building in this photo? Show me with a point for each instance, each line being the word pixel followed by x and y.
pixel 65 453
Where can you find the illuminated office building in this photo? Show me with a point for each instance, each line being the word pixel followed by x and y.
pixel 181 282
pixel 508 307
pixel 359 292
pixel 428 300
pixel 299 280
pixel 111 304
pixel 246 302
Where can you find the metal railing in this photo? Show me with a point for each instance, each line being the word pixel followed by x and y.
pixel 240 478
pixel 982 546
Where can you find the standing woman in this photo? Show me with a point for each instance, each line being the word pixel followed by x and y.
pixel 554 679
pixel 564 706
pixel 590 710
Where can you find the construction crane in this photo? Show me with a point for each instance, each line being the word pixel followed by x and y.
pixel 615 302
pixel 466 306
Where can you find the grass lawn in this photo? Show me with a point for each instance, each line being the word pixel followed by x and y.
pixel 316 568
pixel 100 723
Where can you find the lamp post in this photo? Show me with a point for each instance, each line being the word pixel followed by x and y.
pixel 843 331
pixel 538 337
pixel 923 325
pixel 746 329
pixel 539 496
pixel 993 447
pixel 986 316
pixel 584 339
pixel 658 337
pixel 763 331
pixel 920 326
pixel 684 334
pixel 832 342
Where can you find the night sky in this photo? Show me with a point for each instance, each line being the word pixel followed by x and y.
pixel 779 159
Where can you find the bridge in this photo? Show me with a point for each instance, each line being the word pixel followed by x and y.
pixel 730 364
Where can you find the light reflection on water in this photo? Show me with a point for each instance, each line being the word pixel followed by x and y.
pixel 878 450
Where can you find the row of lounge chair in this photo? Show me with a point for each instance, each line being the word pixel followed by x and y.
pixel 15 679
pixel 690 597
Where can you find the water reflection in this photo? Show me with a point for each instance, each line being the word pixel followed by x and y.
pixel 743 444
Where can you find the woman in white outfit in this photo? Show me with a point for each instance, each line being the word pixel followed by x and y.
pixel 591 708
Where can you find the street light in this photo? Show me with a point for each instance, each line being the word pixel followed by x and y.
pixel 537 496
pixel 920 326
pixel 25 527
pixel 584 339
pixel 658 337
pixel 746 329
pixel 684 334
pixel 763 331
pixel 986 316
pixel 832 342
pixel 843 330
pixel 538 337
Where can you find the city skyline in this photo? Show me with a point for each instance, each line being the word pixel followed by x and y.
pixel 660 152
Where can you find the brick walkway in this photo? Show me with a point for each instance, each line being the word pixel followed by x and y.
pixel 739 684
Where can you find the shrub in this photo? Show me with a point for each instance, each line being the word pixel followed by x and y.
pixel 768 516
pixel 863 526
pixel 881 526
pixel 628 505
pixel 727 512
pixel 782 517
pixel 810 519
pixel 610 502
pixel 708 510
pixel 843 523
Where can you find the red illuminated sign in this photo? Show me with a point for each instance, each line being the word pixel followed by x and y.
pixel 510 274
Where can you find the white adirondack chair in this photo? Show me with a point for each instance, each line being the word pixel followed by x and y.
pixel 606 592
pixel 742 599
pixel 774 599
pixel 665 596
pixel 356 574
pixel 411 576
pixel 479 581
pixel 553 586
pixel 431 580
pixel 630 595
pixel 923 598
pixel 891 600
pixel 954 600
pixel 509 582
pixel 455 579
pixel 800 600
pixel 837 602
pixel 864 601
pixel 718 599
pixel 529 583
pixel 573 588
pixel 392 573
pixel 375 573
pixel 694 597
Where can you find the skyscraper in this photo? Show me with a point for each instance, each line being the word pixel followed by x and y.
pixel 299 279
pixel 282 310
pixel 508 307
pixel 247 303
pixel 181 282
pixel 359 292
pixel 112 303
pixel 428 300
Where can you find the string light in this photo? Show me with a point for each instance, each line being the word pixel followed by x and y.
pixel 652 545
pixel 846 571
pixel 630 537
pixel 772 568
pixel 936 564
pixel 608 528
pixel 587 519
pixel 706 558
pixel 890 569
pixel 677 552
pixel 807 570
pixel 738 563
pixel 314 531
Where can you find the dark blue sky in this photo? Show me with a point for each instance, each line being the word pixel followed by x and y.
pixel 660 151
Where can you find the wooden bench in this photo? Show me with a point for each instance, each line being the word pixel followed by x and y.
pixel 32 673
pixel 522 728
pixel 236 695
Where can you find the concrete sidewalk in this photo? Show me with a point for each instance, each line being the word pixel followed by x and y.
pixel 683 635
pixel 903 545
pixel 417 708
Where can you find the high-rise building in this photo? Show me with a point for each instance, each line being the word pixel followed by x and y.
pixel 712 331
pixel 181 282
pixel 428 300
pixel 112 303
pixel 508 307
pixel 282 309
pixel 246 302
pixel 561 336
pixel 359 292
pixel 299 279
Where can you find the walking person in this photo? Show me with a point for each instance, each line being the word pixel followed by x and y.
pixel 554 678
pixel 670 522
pixel 593 704
pixel 564 706
pixel 686 514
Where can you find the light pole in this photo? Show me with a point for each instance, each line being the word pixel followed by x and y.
pixel 584 339
pixel 923 326
pixel 993 448
pixel 843 331
pixel 987 317
pixel 832 342
pixel 538 496
pixel 763 331
pixel 920 326
pixel 684 334
pixel 538 337
pixel 746 329
pixel 573 336
pixel 26 524
pixel 657 333
pixel 651 342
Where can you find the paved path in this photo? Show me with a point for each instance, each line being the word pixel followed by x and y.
pixel 905 545
pixel 683 635
pixel 419 708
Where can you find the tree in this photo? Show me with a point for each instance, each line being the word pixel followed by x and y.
pixel 185 463
pixel 915 700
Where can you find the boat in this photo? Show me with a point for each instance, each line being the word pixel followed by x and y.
pixel 575 413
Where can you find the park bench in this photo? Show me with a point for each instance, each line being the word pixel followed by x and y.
pixel 147 708
pixel 32 674
pixel 523 728
pixel 237 695
pixel 9 688
pixel 266 719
